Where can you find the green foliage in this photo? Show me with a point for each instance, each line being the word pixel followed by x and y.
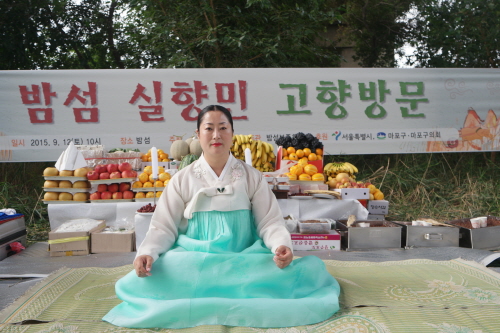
pixel 375 28
pixel 457 33
pixel 228 34
pixel 21 188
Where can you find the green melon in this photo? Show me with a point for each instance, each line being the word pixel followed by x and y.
pixel 186 160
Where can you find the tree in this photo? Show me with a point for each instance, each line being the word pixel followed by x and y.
pixel 375 28
pixel 227 33
pixel 59 34
pixel 457 33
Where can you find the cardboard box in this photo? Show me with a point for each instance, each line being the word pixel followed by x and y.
pixel 354 193
pixel 378 207
pixel 76 243
pixel 316 242
pixel 106 242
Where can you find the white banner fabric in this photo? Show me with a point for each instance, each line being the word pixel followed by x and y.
pixel 352 111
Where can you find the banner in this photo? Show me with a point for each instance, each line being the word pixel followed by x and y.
pixel 352 111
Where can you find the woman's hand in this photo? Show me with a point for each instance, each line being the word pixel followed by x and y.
pixel 283 256
pixel 142 265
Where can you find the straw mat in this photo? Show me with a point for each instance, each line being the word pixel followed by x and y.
pixel 417 295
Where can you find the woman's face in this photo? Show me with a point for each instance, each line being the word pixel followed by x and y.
pixel 215 134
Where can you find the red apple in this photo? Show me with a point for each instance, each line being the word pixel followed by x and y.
pixel 106 195
pixel 92 175
pixel 100 168
pixel 95 196
pixel 117 195
pixel 115 175
pixel 124 166
pixel 113 188
pixel 112 167
pixel 128 195
pixel 104 175
pixel 102 188
pixel 124 187
pixel 129 174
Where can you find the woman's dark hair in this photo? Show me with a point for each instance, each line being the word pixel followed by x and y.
pixel 214 108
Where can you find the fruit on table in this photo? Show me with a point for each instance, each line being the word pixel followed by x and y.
pixel 66 173
pixel 304 176
pixel 81 196
pixel 262 152
pixel 186 160
pixel 179 149
pixel 65 184
pixel 318 177
pixel 81 172
pixel 50 172
pixel 310 169
pixel 81 184
pixel 65 196
pixel 49 196
pixel 51 183
pixel 334 168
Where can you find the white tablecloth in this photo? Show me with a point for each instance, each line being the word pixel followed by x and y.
pixel 123 214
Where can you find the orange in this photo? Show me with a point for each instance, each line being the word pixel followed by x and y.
pixel 144 158
pixel 161 169
pixel 378 195
pixel 318 177
pixel 290 150
pixel 319 157
pixel 160 151
pixel 158 194
pixel 286 158
pixel 291 176
pixel 164 176
pixel 304 176
pixel 147 184
pixel 150 159
pixel 303 161
pixel 165 160
pixel 310 169
pixel 372 189
pixel 140 195
pixel 296 169
pixel 299 153
pixel 148 169
pixel 293 157
pixel 159 183
pixel 137 184
pixel 284 152
pixel 312 157
pixel 319 151
pixel 307 151
pixel 143 177
pixel 162 156
pixel 151 179
pixel 150 195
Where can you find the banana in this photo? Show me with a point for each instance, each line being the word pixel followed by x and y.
pixel 250 138
pixel 353 167
pixel 238 139
pixel 244 138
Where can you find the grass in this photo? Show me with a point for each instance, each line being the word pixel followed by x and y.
pixel 440 186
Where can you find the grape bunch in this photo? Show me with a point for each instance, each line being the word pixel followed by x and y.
pixel 147 208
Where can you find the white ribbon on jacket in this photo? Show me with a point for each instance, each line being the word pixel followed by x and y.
pixel 206 191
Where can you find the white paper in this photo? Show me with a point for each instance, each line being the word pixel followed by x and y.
pixel 70 159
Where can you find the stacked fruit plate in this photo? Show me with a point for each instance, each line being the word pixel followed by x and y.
pixel 113 182
pixel 65 186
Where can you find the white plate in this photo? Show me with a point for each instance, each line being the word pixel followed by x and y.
pixel 47 202
pixel 324 196
pixel 147 189
pixel 301 197
pixel 111 200
pixel 70 178
pixel 62 189
pixel 111 181
pixel 144 214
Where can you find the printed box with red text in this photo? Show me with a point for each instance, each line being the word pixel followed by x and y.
pixel 316 242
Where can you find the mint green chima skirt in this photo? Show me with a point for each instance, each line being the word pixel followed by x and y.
pixel 221 273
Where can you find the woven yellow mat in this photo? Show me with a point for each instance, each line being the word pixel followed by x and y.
pixel 415 295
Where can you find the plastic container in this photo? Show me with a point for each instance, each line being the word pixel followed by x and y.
pixel 323 226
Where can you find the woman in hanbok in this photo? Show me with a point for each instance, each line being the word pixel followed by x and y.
pixel 218 253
